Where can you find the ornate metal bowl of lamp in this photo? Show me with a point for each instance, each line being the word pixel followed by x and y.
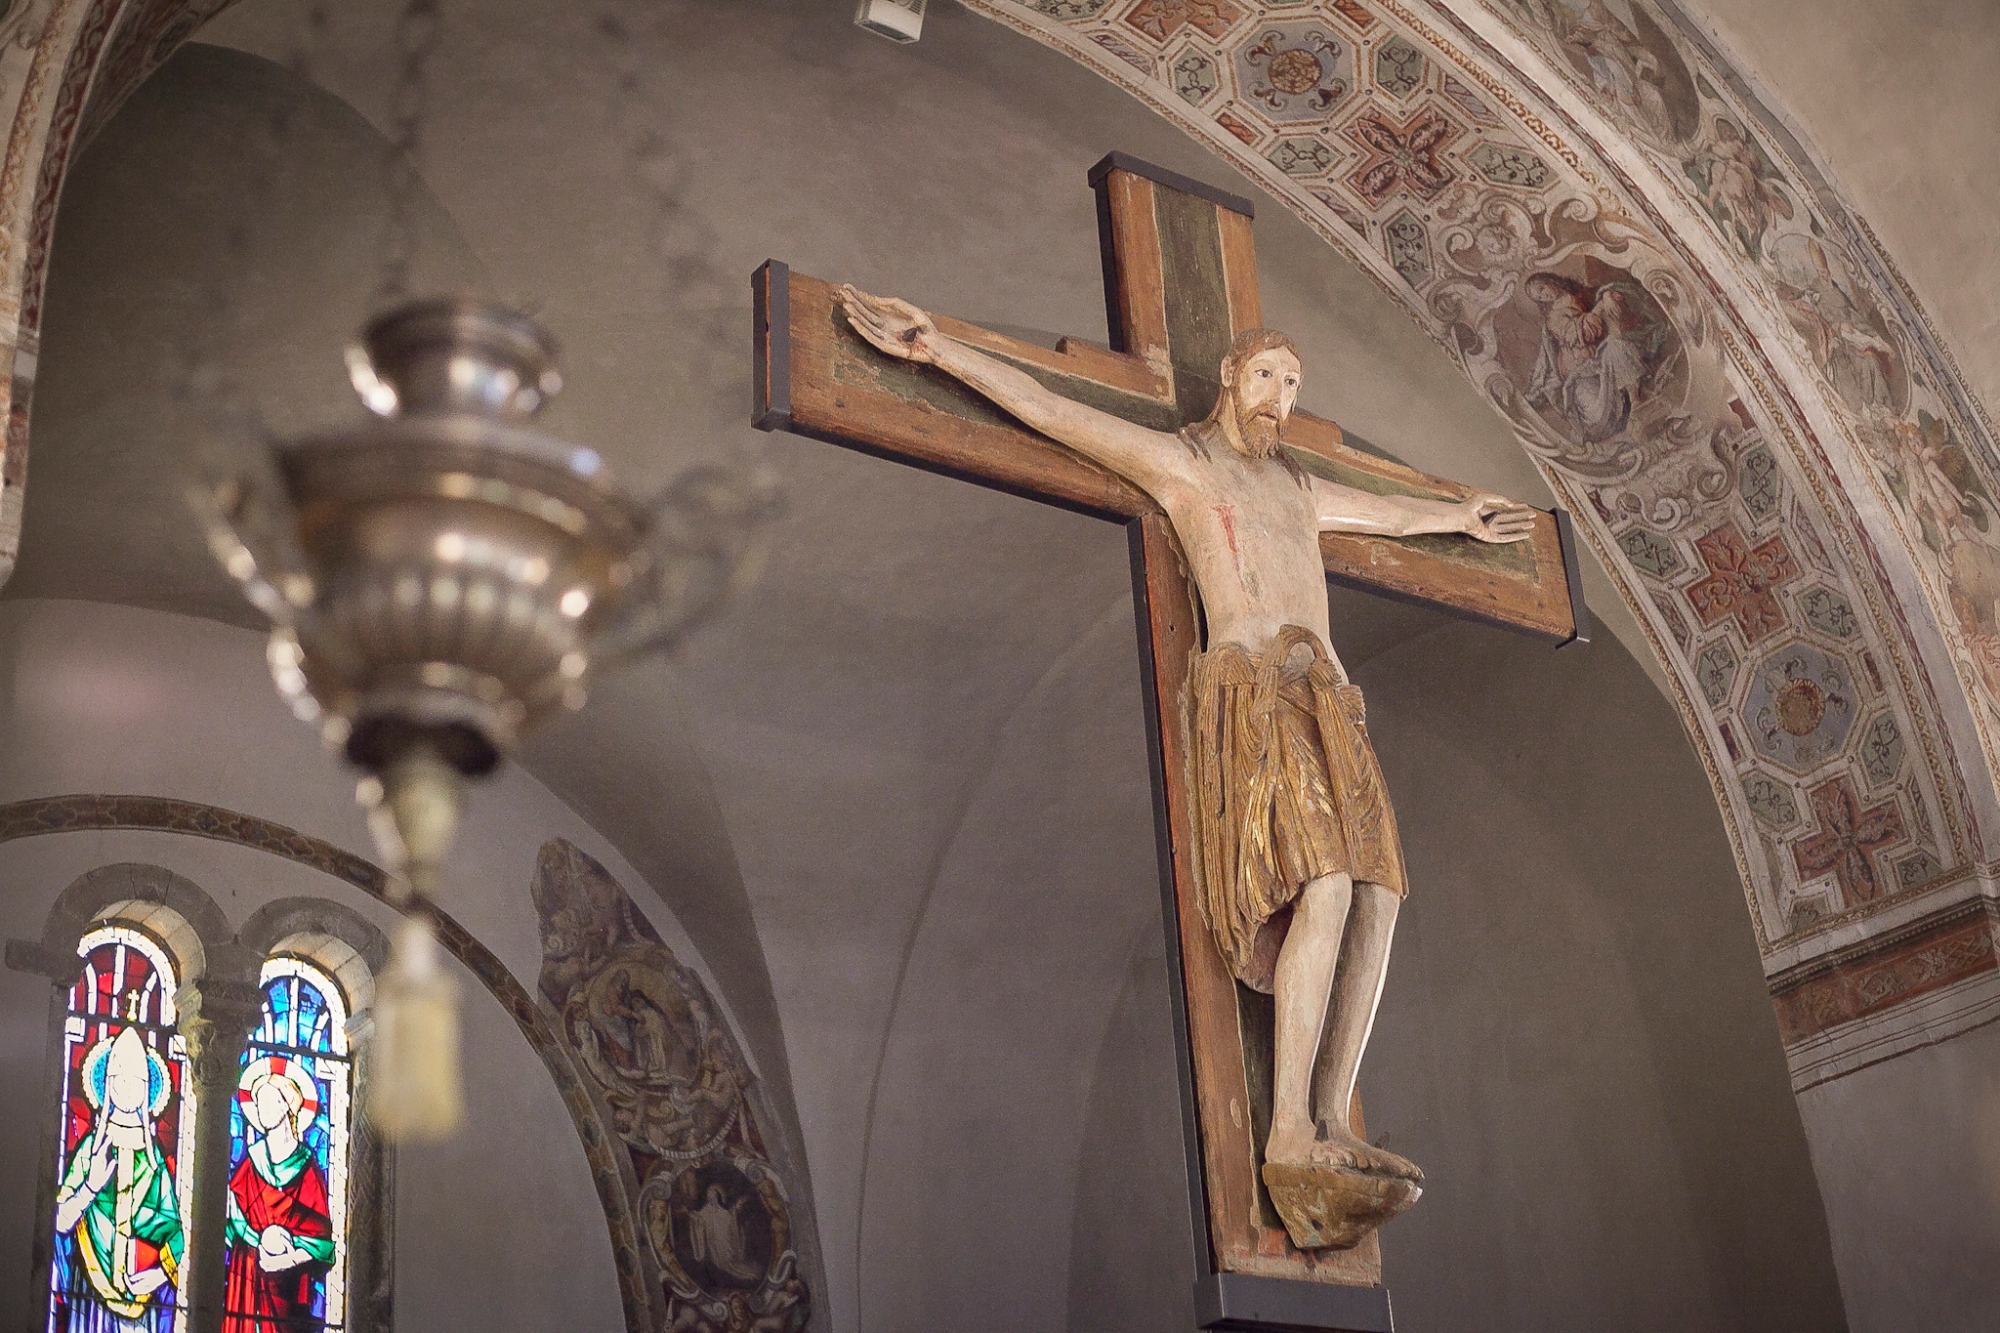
pixel 442 577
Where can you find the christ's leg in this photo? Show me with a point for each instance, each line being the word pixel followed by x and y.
pixel 1371 926
pixel 1302 990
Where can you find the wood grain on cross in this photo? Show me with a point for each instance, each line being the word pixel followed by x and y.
pixel 1180 282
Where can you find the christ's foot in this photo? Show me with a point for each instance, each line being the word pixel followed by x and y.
pixel 1334 1146
pixel 1354 1151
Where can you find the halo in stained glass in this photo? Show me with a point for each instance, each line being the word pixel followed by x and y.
pixel 127 1131
pixel 290 1135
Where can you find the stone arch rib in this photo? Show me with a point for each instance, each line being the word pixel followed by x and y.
pixel 1715 367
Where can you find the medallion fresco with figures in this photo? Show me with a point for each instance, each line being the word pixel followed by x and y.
pixel 667 1073
pixel 1720 399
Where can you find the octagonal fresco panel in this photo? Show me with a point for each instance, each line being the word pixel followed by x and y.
pixel 1800 707
pixel 1294 73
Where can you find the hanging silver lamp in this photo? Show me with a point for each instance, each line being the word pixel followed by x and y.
pixel 442 577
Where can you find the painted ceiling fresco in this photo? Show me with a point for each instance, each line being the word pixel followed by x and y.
pixel 1709 360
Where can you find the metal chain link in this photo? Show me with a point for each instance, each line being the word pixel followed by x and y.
pixel 418 28
pixel 221 417
pixel 711 524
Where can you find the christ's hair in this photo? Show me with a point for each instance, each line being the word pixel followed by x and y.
pixel 1252 341
pixel 1244 346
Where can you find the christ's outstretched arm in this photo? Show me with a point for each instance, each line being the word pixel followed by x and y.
pixel 1490 518
pixel 1149 458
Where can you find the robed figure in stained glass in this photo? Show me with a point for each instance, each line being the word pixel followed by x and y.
pixel 280 1224
pixel 116 1205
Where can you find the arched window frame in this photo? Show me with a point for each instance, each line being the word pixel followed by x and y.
pixel 277 1035
pixel 218 970
pixel 86 1024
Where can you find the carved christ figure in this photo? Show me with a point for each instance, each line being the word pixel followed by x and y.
pixel 1299 850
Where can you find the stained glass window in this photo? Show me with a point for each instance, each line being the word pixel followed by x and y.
pixel 127 1130
pixel 288 1159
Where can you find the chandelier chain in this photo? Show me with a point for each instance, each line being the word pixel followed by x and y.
pixel 418 28
pixel 210 387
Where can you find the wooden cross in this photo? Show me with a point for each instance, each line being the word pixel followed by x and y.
pixel 1180 281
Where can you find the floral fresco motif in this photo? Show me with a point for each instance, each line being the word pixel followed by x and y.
pixel 1294 72
pixel 1403 156
pixel 1848 841
pixel 1800 708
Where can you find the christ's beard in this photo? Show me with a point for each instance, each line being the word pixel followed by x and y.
pixel 1260 433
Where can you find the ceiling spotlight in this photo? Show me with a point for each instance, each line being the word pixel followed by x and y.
pixel 898 20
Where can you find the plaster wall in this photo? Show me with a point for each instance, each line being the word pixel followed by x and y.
pixel 96 698
pixel 1908 1156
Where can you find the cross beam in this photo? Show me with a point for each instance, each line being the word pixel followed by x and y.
pixel 1180 281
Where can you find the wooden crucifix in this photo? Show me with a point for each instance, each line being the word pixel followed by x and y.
pixel 1273 1247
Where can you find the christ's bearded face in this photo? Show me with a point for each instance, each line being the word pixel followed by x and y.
pixel 1263 389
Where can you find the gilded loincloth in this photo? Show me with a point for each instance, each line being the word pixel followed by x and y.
pixel 1288 790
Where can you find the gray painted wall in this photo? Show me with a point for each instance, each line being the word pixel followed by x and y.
pixel 1575 1039
pixel 1908 1154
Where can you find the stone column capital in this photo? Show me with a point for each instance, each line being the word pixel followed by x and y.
pixel 217 1016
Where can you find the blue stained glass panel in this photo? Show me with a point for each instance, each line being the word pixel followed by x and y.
pixel 289 1136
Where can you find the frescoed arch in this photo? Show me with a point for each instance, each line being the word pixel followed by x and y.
pixel 1717 371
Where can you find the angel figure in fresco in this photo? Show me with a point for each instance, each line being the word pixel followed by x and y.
pixel 1973 571
pixel 1592 367
pixel 280 1226
pixel 116 1203
pixel 1931 471
pixel 1737 186
pixel 1299 858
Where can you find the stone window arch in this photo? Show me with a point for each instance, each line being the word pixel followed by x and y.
pixel 161 1019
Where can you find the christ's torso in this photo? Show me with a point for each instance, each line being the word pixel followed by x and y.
pixel 1251 533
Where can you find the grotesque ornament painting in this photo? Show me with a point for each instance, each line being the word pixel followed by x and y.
pixel 660 1060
